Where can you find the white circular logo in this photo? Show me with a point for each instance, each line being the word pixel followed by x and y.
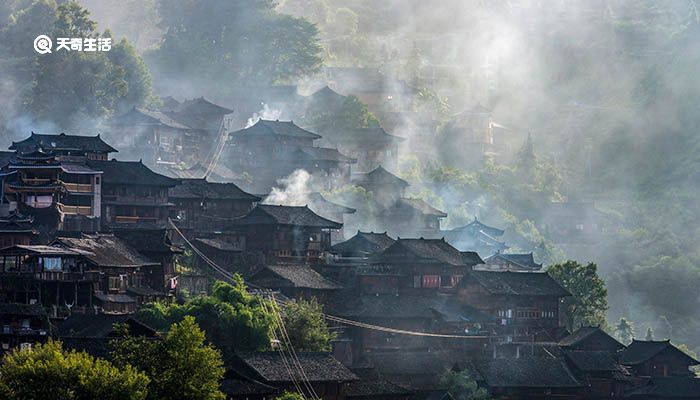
pixel 42 44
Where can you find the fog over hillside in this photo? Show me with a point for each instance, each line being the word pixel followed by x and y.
pixel 597 101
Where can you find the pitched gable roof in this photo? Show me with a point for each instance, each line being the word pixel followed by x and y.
pixel 434 250
pixel 325 154
pixel 420 206
pixel 526 373
pixel 525 261
pixel 146 116
pixel 640 351
pixel 471 258
pixel 292 276
pixel 16 223
pixel 379 176
pixel 317 367
pixel 583 334
pixel 585 360
pixel 320 204
pixel 517 283
pixel 194 188
pixel 280 128
pixel 106 250
pixel 286 215
pixel 201 105
pixel 365 242
pixel 477 226
pixel 130 173
pixel 100 326
pixel 62 142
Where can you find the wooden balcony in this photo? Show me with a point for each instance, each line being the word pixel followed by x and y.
pixel 123 219
pixel 75 210
pixel 78 187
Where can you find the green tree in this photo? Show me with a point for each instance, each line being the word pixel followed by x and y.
pixel 49 372
pixel 70 89
pixel 229 313
pixel 181 366
pixel 136 74
pixel 588 301
pixel 625 330
pixel 289 396
pixel 462 387
pixel 244 42
pixel 306 327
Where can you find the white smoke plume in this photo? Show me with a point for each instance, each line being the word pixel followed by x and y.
pixel 265 113
pixel 292 191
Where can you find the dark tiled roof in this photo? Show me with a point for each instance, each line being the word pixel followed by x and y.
pixel 106 251
pixel 363 136
pixel 318 367
pixel 518 283
pixel 115 298
pixel 585 332
pixel 218 244
pixel 295 276
pixel 585 360
pixel 151 116
pixel 409 362
pixel 421 206
pixel 99 325
pixel 130 173
pixel 471 258
pixel 526 373
pixel 364 242
pixel 325 154
pixel 326 95
pixel 477 226
pixel 321 205
pixel 40 250
pixel 423 249
pixel 201 105
pixel 668 388
pixel 640 351
pixel 385 306
pixel 281 128
pixel 375 388
pixel 62 142
pixel 6 157
pixel 379 176
pixel 526 261
pixel 201 189
pixel 240 387
pixel 287 215
pixel 16 223
pixel 34 310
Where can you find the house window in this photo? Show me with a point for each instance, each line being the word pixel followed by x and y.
pixel 416 281
pixel 97 180
pixel 431 281
pixel 579 227
pixel 446 281
pixel 115 283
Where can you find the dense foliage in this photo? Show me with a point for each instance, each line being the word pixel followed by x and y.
pixel 243 42
pixel 462 387
pixel 229 315
pixel 66 89
pixel 588 301
pixel 181 366
pixel 47 371
pixel 306 327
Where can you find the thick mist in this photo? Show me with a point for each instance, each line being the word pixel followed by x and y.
pixel 606 90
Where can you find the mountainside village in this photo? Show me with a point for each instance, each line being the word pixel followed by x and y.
pixel 88 237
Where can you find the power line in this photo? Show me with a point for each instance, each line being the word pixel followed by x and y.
pixel 228 276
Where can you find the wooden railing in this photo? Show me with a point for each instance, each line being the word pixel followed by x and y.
pixel 78 187
pixel 75 210
pixel 123 219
